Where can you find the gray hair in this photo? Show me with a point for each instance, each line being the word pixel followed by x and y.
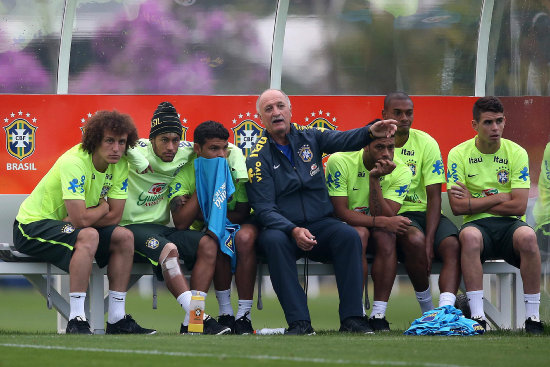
pixel 270 89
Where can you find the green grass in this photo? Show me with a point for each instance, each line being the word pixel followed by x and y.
pixel 28 338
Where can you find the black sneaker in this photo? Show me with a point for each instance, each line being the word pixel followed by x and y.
pixel 300 327
pixel 227 320
pixel 78 326
pixel 534 326
pixel 210 327
pixel 356 324
pixel 127 325
pixel 461 303
pixel 243 325
pixel 379 323
pixel 482 322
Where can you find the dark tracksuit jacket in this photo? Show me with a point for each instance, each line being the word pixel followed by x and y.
pixel 285 196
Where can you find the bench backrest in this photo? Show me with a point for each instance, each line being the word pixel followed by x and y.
pixel 9 206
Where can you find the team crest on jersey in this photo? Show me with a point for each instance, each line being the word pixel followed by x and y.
pixel 412 166
pixel 305 153
pixel 152 243
pixel 502 175
pixel 20 136
pixel 157 188
pixel 246 133
pixel 105 191
pixel 67 228
pixel 429 317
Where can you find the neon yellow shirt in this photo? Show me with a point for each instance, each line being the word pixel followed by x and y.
pixel 148 200
pixel 184 184
pixel 73 177
pixel 346 175
pixel 147 197
pixel 541 211
pixel 421 153
pixel 488 174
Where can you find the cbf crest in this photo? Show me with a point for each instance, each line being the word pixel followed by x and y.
pixel 321 120
pixel 20 137
pixel 502 175
pixel 246 133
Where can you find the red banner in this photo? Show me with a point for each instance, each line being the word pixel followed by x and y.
pixel 39 128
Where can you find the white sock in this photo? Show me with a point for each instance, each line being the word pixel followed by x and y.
pixel 76 301
pixel 117 310
pixel 532 303
pixel 475 301
pixel 447 299
pixel 379 307
pixel 425 300
pixel 184 300
pixel 224 302
pixel 245 305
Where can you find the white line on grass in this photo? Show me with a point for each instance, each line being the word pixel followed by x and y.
pixel 218 356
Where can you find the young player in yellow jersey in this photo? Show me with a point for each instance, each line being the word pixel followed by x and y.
pixel 431 235
pixel 367 188
pixel 489 184
pixel 72 217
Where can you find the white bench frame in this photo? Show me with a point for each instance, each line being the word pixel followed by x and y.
pixel 505 312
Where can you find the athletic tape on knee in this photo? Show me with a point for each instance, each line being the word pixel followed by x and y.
pixel 171 266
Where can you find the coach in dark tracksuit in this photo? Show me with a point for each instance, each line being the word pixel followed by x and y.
pixel 288 193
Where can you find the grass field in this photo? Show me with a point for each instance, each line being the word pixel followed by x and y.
pixel 28 338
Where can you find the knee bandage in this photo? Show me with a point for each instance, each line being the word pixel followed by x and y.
pixel 171 266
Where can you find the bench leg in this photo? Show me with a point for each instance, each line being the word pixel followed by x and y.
pixel 96 297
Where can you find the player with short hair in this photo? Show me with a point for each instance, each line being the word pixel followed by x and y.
pixel 154 164
pixel 489 184
pixel 211 141
pixel 367 188
pixel 72 217
pixel 431 234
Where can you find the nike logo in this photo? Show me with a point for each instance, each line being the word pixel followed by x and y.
pixel 276 166
pixel 118 299
pixel 355 189
pixel 472 175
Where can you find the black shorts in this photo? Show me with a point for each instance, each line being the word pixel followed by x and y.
pixel 53 241
pixel 498 238
pixel 445 229
pixel 150 239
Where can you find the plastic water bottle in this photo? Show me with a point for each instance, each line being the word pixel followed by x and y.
pixel 267 331
pixel 196 314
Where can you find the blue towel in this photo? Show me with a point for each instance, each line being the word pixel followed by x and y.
pixel 214 187
pixel 445 320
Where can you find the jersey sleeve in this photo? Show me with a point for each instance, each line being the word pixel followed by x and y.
pixel 72 173
pixel 455 168
pixel 400 182
pixel 183 183
pixel 237 164
pixel 119 190
pixel 136 159
pixel 336 174
pixel 433 171
pixel 520 170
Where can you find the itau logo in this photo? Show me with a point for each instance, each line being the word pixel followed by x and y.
pixel 246 131
pixel 20 134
